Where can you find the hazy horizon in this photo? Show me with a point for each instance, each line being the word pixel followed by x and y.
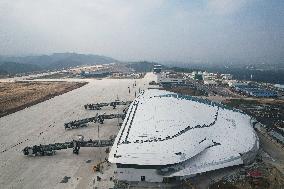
pixel 181 31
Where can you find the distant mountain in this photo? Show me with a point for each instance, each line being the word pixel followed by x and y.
pixel 59 60
pixel 14 68
pixel 3 72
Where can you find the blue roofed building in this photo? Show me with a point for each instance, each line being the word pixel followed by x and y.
pixel 256 91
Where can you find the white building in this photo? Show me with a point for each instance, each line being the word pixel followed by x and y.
pixel 279 87
pixel 235 83
pixel 164 78
pixel 169 136
pixel 157 69
pixel 226 76
pixel 209 76
pixel 210 82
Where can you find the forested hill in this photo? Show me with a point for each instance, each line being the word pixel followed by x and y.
pixel 22 64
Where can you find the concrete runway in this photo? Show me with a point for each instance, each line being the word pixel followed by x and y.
pixel 43 124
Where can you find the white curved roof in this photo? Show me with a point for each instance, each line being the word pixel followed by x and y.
pixel 162 128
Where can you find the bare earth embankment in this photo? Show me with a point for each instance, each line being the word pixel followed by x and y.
pixel 15 96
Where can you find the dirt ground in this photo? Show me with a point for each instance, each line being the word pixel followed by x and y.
pixel 187 91
pixel 271 178
pixel 269 112
pixel 15 96
pixel 43 123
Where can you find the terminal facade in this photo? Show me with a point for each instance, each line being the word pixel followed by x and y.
pixel 186 137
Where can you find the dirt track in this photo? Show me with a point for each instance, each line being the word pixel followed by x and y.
pixel 15 96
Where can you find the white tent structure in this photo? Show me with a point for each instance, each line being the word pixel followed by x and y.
pixel 169 135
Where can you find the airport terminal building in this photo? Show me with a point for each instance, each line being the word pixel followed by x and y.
pixel 166 136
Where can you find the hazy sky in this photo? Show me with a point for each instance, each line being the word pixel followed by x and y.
pixel 173 30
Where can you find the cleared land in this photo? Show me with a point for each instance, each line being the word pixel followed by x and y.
pixel 15 96
pixel 43 123
pixel 269 112
pixel 270 178
pixel 188 91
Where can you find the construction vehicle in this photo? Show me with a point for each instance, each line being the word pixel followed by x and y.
pixel 98 167
pixel 49 149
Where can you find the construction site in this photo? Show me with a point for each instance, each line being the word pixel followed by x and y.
pixel 40 147
pixel 15 96
pixel 93 136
